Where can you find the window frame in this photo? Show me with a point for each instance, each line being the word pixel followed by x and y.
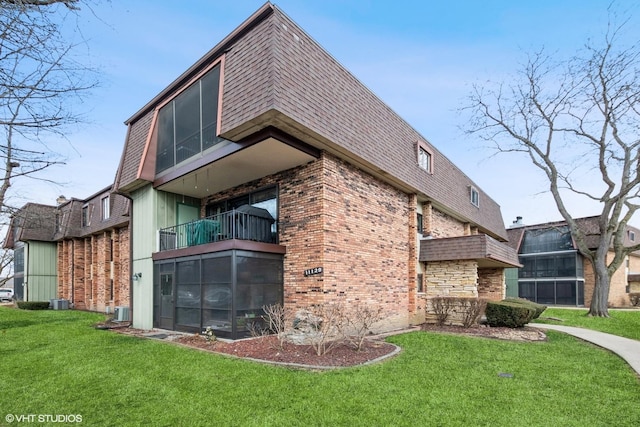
pixel 421 147
pixel 167 109
pixel 475 201
pixel 105 204
pixel 86 215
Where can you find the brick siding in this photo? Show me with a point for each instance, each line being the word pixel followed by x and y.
pixel 84 270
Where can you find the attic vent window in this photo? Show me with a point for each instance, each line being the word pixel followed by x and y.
pixel 475 197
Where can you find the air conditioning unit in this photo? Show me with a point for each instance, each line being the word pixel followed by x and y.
pixel 166 240
pixel 121 314
pixel 60 304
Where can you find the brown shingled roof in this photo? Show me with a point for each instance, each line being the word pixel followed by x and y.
pixel 33 222
pixel 277 75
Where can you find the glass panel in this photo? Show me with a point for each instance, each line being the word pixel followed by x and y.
pixel 545 293
pixel 188 272
pixel 165 154
pixel 188 317
pixel 166 295
pixel 546 240
pixel 545 266
pixel 188 296
pixel 219 320
pixel 187 123
pixel 566 292
pixel 210 90
pixel 580 292
pixel 528 267
pixel 566 265
pixel 527 290
pixel 216 270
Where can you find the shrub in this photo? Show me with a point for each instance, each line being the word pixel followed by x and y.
pixel 635 299
pixel 539 308
pixel 509 314
pixel 359 321
pixel 471 309
pixel 442 307
pixel 33 305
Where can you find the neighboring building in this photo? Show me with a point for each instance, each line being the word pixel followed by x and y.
pixel 30 235
pixel 554 272
pixel 92 238
pixel 267 173
pixel 77 250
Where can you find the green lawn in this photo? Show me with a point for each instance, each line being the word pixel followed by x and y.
pixel 54 362
pixel 622 323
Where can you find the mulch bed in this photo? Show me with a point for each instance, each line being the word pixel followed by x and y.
pixel 268 348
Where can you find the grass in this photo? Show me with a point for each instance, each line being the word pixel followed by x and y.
pixel 622 323
pixel 54 362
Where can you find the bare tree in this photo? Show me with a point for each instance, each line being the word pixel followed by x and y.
pixel 572 117
pixel 40 81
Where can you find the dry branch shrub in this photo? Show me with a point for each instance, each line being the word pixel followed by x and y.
pixel 442 308
pixel 359 322
pixel 471 309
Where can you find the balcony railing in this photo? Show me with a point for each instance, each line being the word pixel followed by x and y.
pixel 235 224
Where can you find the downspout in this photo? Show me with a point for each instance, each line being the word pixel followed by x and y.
pixel 25 283
pixel 73 270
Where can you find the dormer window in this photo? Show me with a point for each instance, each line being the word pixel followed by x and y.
pixel 475 197
pixel 425 157
pixel 632 236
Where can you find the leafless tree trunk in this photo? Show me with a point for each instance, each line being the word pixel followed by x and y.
pixel 572 117
pixel 40 81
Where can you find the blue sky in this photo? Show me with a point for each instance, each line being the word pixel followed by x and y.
pixel 420 57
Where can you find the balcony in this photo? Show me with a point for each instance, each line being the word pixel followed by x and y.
pixel 244 223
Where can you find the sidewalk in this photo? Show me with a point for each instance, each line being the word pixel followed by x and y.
pixel 626 348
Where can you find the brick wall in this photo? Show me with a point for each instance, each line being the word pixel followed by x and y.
pixel 618 296
pixel 338 217
pixel 84 270
pixel 491 284
pixel 443 225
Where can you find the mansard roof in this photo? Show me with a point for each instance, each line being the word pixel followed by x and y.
pixel 275 75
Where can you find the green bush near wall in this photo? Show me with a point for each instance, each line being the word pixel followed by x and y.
pixel 33 305
pixel 539 308
pixel 509 314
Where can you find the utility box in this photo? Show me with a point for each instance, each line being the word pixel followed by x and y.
pixel 121 314
pixel 60 304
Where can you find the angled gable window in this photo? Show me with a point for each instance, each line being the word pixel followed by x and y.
pixel 425 157
pixel 187 125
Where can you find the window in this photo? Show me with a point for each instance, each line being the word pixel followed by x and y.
pixel 86 215
pixel 425 157
pixel 420 283
pixel 265 199
pixel 186 126
pixel 475 197
pixel 419 223
pixel 105 208
pixel 632 236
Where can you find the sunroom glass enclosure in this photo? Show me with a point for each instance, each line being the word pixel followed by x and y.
pixel 224 290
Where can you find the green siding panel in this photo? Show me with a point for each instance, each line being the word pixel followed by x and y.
pixel 511 279
pixel 41 266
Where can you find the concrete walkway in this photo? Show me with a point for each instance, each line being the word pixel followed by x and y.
pixel 626 348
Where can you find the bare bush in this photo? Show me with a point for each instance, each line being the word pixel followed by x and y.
pixel 442 308
pixel 359 321
pixel 471 310
pixel 322 324
pixel 277 321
